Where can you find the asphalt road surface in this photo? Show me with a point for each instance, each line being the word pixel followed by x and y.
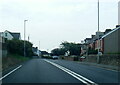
pixel 59 71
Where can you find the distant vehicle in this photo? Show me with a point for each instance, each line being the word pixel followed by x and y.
pixel 100 53
pixel 55 57
pixel 82 58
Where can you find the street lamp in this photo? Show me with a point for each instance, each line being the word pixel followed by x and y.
pixel 24 36
pixel 98 57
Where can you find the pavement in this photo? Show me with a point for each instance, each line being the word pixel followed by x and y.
pixel 60 71
pixel 109 67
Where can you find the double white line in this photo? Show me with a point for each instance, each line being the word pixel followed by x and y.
pixel 75 75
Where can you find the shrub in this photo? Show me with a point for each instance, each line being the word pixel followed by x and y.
pixel 17 47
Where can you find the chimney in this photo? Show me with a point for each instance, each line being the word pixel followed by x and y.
pixel 107 30
pixel 117 26
pixel 93 36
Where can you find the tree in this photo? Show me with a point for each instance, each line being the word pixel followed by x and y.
pixel 72 47
pixel 66 46
pixel 92 51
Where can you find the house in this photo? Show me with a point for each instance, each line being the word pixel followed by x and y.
pixel 36 51
pixel 83 49
pixel 10 35
pixel 87 40
pixel 96 40
pixel 109 43
pixel 91 43
pixel 45 53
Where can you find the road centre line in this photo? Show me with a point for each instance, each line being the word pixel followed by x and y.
pixel 10 72
pixel 68 72
pixel 75 75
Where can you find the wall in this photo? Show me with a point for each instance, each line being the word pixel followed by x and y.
pixel 108 59
pixel 0 62
pixel 9 36
pixel 0 46
pixel 111 43
pixel 119 12
pixel 3 48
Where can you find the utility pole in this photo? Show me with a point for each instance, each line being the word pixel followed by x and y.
pixel 98 57
pixel 24 36
pixel 28 38
pixel 39 49
pixel 39 45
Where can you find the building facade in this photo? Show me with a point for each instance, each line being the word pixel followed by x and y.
pixel 10 35
pixel 111 42
pixel 107 42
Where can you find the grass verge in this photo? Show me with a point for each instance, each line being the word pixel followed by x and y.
pixel 12 60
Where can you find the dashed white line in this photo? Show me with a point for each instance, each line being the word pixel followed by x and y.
pixel 10 72
pixel 75 75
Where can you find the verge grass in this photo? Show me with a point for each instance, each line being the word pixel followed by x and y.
pixel 12 60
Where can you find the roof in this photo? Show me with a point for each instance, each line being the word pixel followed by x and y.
pixel 15 35
pixel 110 32
pixel 88 38
pixel 34 49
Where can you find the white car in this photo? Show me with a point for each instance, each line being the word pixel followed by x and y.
pixel 100 53
pixel 55 57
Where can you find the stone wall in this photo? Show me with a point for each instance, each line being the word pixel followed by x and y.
pixel 108 59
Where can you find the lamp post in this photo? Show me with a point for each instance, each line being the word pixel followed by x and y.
pixel 98 57
pixel 39 49
pixel 24 36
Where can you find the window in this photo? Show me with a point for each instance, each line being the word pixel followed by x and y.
pixel 6 34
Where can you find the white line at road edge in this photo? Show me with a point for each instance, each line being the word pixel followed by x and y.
pixel 75 75
pixel 10 72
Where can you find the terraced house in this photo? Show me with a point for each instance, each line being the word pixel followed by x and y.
pixel 107 42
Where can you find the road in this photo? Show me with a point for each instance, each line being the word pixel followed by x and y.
pixel 60 71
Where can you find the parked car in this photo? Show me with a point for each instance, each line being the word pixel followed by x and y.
pixel 82 58
pixel 55 57
pixel 100 53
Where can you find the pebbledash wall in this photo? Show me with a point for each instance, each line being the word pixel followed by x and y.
pixel 119 24
pixel 111 43
pixel 119 12
pixel 3 49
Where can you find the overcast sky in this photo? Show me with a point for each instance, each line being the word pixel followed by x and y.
pixel 54 21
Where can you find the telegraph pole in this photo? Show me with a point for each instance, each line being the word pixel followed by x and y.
pixel 24 36
pixel 28 38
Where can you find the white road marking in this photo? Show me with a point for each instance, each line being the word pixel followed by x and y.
pixel 10 72
pixel 75 75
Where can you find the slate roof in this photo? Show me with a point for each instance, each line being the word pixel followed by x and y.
pixel 15 35
pixel 110 32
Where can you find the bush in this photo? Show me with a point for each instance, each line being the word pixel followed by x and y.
pixel 92 51
pixel 17 47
